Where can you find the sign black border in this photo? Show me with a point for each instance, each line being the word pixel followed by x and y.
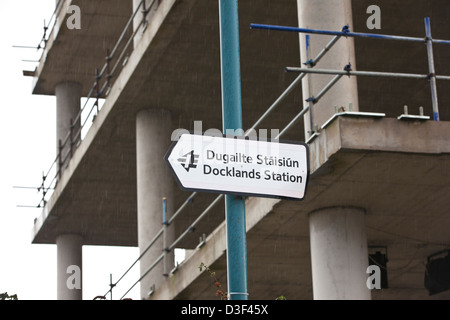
pixel 243 194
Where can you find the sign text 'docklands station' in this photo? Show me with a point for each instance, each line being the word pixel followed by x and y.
pixel 240 166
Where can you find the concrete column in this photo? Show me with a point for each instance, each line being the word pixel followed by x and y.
pixel 339 254
pixel 68 105
pixel 154 181
pixel 69 266
pixel 327 15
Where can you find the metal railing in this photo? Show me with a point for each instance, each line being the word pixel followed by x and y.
pixel 428 40
pixel 308 107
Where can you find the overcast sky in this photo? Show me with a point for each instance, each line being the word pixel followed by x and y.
pixel 28 148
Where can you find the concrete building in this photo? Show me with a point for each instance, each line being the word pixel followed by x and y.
pixel 377 183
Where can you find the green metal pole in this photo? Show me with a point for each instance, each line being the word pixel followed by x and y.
pixel 232 119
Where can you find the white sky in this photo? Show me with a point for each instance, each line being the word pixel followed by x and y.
pixel 28 147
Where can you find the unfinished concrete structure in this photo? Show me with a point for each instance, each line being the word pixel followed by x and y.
pixel 377 183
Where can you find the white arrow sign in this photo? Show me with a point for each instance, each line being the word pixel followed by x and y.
pixel 240 166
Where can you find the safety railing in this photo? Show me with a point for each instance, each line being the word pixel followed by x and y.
pixel 102 84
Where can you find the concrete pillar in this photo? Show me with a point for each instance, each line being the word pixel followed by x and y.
pixel 69 266
pixel 154 181
pixel 339 254
pixel 327 15
pixel 68 105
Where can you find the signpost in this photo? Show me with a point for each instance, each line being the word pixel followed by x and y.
pixel 240 166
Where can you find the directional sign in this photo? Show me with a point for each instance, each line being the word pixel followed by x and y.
pixel 240 166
